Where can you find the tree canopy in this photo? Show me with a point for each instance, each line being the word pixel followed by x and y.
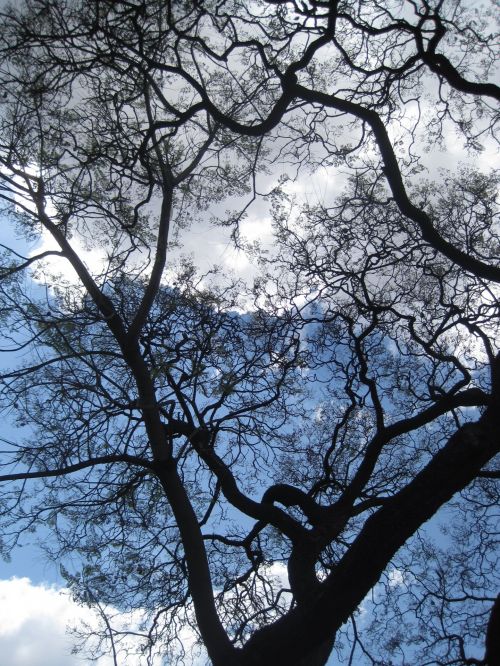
pixel 290 464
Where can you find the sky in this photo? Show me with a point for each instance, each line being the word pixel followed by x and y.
pixel 35 607
pixel 33 623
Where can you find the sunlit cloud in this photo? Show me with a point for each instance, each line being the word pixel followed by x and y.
pixel 36 623
pixel 33 625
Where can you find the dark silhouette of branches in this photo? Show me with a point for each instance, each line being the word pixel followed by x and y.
pixel 267 463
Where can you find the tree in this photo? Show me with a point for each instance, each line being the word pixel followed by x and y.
pixel 191 436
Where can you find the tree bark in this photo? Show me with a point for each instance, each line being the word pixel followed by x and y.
pixel 292 639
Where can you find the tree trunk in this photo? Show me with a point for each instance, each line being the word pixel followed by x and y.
pixel 318 656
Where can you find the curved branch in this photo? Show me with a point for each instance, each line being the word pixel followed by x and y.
pixel 473 397
pixel 383 534
pixel 395 180
pixel 262 511
pixel 290 90
pixel 439 64
pixel 6 272
pixel 291 496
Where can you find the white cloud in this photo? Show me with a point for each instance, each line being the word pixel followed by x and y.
pixel 34 621
pixel 321 187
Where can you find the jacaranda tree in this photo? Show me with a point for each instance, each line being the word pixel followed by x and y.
pixel 287 467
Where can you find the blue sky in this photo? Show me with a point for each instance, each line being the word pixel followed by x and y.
pixel 33 611
pixel 35 607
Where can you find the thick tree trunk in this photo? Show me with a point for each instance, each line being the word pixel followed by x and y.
pixel 319 655
pixel 492 656
pixel 293 639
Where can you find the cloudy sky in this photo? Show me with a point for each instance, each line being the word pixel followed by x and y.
pixel 33 623
pixel 35 608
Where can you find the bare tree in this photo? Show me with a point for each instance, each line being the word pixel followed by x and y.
pixel 258 460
